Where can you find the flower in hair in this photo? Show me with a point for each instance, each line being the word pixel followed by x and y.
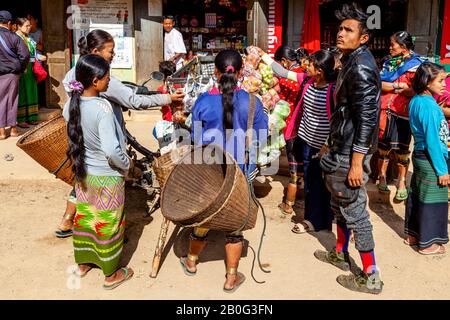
pixel 76 86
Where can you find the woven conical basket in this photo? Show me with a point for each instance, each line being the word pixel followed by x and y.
pixel 47 144
pixel 213 196
pixel 162 166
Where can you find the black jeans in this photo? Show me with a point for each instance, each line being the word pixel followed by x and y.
pixel 349 204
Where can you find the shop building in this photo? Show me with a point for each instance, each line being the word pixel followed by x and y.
pixel 211 25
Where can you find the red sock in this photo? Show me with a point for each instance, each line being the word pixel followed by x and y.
pixel 368 261
pixel 343 238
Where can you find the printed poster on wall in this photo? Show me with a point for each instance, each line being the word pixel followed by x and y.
pixel 113 16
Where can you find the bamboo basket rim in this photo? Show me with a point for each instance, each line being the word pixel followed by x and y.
pixel 22 142
pixel 223 185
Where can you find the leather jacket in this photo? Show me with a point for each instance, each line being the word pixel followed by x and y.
pixel 354 123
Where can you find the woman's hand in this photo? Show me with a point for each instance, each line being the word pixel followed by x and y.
pixel 43 58
pixel 403 85
pixel 444 180
pixel 322 151
pixel 260 51
pixel 177 96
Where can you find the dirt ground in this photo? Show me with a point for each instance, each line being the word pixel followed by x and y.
pixel 36 265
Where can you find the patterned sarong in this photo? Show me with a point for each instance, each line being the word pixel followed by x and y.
pixel 426 215
pixel 99 224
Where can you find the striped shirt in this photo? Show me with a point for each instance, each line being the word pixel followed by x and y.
pixel 315 125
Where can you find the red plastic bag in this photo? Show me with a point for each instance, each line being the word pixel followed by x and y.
pixel 39 72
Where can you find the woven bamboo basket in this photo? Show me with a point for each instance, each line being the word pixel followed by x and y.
pixel 47 144
pixel 163 165
pixel 213 196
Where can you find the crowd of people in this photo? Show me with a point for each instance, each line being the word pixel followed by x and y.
pixel 343 110
pixel 20 49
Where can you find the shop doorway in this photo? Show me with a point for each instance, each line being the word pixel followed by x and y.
pixel 21 8
pixel 210 26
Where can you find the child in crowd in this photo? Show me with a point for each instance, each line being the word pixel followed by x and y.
pixel 426 217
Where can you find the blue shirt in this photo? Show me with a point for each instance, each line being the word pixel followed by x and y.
pixel 207 126
pixel 430 130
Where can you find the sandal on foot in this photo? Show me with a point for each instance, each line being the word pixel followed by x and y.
pixel 3 137
pixel 286 213
pixel 439 250
pixel 401 195
pixel 63 233
pixel 300 227
pixel 383 188
pixel 128 274
pixel 23 125
pixel 186 268
pixel 82 274
pixel 408 242
pixel 240 278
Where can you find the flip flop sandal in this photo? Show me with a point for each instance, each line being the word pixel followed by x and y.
pixel 63 233
pixel 14 135
pixel 127 276
pixel 299 228
pixel 406 241
pixel 286 213
pixel 2 137
pixel 401 195
pixel 241 280
pixel 83 274
pixel 185 267
pixel 439 250
pixel 383 188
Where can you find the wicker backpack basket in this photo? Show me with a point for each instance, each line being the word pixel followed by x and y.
pixel 163 165
pixel 47 144
pixel 213 196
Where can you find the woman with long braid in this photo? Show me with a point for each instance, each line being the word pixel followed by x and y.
pixel 98 151
pixel 225 110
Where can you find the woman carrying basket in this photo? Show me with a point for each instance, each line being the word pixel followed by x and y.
pixel 98 151
pixel 225 110
pixel 101 43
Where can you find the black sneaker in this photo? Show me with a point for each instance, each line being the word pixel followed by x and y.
pixel 338 259
pixel 362 282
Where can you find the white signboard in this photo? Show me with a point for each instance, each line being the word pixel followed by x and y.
pixel 113 16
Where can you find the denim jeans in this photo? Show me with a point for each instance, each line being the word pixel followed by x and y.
pixel 349 204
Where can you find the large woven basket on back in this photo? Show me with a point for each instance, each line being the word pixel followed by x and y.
pixel 47 144
pixel 213 196
pixel 163 165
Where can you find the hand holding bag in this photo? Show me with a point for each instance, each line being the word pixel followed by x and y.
pixel 39 71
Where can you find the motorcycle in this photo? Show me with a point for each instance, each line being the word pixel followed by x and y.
pixel 146 179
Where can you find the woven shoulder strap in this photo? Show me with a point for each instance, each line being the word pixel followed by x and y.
pixel 251 118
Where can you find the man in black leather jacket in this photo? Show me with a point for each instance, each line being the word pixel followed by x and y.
pixel 353 138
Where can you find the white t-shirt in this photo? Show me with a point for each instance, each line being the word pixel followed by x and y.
pixel 173 44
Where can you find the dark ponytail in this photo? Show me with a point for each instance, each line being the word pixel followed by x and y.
pixel 96 39
pixel 404 39
pixel 290 54
pixel 229 63
pixel 87 69
pixel 325 61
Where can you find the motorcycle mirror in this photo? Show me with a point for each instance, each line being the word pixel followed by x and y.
pixel 156 75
